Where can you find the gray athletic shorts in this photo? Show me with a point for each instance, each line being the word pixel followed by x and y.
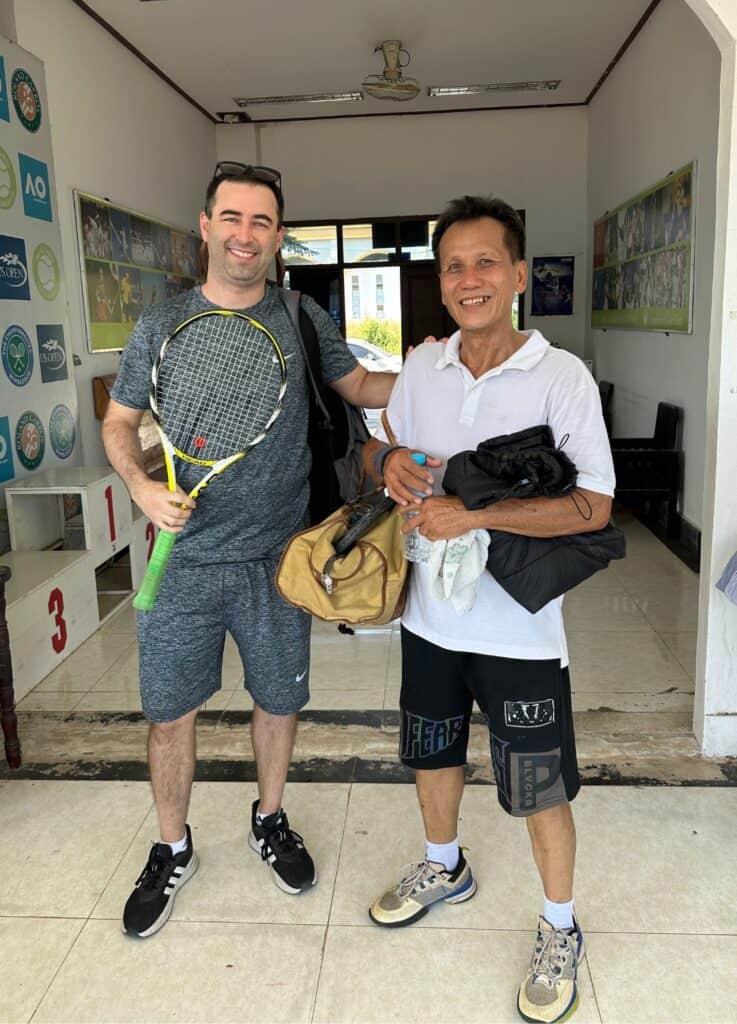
pixel 181 640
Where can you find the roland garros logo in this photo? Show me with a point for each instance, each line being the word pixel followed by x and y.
pixel 26 100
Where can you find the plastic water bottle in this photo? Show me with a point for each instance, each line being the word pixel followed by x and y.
pixel 416 547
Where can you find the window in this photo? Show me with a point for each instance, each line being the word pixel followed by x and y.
pixel 313 245
pixel 358 245
pixel 355 297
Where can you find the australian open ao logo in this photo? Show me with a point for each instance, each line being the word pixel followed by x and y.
pixel 62 432
pixel 17 355
pixel 26 100
pixel 30 440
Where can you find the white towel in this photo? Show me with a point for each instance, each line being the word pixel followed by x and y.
pixel 456 566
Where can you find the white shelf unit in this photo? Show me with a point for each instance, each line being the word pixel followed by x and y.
pixel 52 597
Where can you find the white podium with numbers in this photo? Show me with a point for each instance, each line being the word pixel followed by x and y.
pixel 68 528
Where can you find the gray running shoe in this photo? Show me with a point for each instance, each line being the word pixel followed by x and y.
pixel 549 992
pixel 426 883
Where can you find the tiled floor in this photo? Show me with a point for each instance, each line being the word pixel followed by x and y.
pixel 655 888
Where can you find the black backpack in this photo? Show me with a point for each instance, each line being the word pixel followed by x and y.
pixel 337 430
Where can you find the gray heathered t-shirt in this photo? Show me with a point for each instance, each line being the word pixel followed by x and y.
pixel 257 504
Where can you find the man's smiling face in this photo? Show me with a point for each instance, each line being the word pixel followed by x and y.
pixel 478 275
pixel 242 234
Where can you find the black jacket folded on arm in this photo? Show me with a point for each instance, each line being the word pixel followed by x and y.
pixel 527 464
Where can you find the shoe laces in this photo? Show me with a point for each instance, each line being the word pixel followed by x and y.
pixel 151 875
pixel 281 839
pixel 419 876
pixel 550 956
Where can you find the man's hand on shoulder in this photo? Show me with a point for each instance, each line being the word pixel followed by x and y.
pixel 429 340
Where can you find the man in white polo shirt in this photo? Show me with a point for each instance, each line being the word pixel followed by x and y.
pixel 491 379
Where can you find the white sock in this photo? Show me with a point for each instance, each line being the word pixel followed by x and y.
pixel 446 854
pixel 178 847
pixel 560 915
pixel 260 817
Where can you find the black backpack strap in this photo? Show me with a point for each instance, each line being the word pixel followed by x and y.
pixel 309 343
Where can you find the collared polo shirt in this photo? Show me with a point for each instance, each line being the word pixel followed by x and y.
pixel 439 407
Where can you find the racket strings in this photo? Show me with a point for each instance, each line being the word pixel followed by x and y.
pixel 219 386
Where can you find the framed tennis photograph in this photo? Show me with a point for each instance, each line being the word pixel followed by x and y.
pixel 552 285
pixel 128 262
pixel 643 259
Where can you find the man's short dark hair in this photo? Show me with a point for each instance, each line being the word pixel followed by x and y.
pixel 248 177
pixel 467 208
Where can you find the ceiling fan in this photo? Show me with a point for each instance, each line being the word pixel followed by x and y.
pixel 390 85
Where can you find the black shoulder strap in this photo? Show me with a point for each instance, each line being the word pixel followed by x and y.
pixel 308 342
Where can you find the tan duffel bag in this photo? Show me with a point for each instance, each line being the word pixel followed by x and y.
pixel 364 586
pixel 351 566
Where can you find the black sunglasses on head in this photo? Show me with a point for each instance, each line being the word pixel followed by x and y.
pixel 269 175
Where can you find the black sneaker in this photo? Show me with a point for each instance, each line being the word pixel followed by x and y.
pixel 150 904
pixel 283 850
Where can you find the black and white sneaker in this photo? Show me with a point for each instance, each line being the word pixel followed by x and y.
pixel 150 904
pixel 284 851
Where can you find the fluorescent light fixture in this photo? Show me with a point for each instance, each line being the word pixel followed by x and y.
pixel 473 90
pixel 310 97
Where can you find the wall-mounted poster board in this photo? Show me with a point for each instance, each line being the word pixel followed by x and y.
pixel 643 259
pixel 39 427
pixel 129 262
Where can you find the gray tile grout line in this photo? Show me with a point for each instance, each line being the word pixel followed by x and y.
pixel 593 986
pixel 85 921
pixel 688 933
pixel 82 924
pixel 316 989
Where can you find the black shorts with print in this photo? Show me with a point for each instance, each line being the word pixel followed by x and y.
pixel 527 705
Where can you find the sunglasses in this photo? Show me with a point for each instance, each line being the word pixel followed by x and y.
pixel 269 175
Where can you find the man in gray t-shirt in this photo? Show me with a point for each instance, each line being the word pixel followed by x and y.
pixel 221 574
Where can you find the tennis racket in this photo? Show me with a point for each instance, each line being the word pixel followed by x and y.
pixel 217 387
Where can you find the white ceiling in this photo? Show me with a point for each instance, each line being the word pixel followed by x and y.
pixel 219 49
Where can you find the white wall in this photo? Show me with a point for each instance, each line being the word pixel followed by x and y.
pixel 384 166
pixel 117 131
pixel 657 111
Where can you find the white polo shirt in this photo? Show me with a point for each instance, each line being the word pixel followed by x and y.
pixel 437 406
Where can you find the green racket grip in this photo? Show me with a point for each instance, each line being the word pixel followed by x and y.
pixel 145 599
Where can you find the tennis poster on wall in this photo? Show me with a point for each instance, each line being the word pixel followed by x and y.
pixel 129 262
pixel 643 259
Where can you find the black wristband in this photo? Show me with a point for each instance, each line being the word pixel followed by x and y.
pixel 382 455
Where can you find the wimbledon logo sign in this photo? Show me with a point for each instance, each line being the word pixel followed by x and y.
pixel 17 355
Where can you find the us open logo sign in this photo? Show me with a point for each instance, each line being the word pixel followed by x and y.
pixel 52 352
pixel 13 269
